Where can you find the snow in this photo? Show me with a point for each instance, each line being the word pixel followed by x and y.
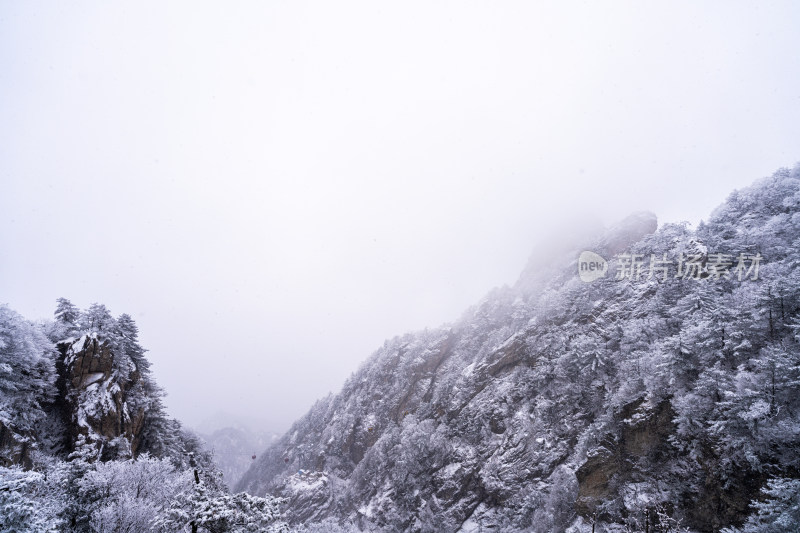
pixel 305 481
pixel 470 526
pixel 451 469
pixel 79 345
pixel 81 341
pixel 468 370
pixel 90 379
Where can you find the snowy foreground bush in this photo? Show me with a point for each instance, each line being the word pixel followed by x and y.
pixel 141 495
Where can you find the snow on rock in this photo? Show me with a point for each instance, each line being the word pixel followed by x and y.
pixel 98 391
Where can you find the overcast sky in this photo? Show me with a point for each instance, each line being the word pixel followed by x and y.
pixel 271 189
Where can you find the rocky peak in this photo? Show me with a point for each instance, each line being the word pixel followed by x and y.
pixel 551 260
pixel 628 231
pixel 96 390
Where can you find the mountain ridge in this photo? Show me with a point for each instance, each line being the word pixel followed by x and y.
pixel 556 403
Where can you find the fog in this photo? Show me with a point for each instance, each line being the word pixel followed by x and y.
pixel 271 189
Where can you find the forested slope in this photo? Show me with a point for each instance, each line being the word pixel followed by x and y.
pixel 668 398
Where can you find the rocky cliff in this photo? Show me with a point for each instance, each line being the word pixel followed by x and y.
pixel 96 387
pixel 81 381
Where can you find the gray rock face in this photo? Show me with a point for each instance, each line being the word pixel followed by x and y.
pixel 15 448
pixel 96 395
pixel 642 436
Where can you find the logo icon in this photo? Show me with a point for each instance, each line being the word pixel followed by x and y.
pixel 591 266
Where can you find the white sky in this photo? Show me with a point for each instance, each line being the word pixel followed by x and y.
pixel 273 188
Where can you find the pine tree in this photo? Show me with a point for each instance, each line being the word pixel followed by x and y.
pixel 27 377
pixel 779 512
pixel 67 316
pixel 128 333
pixel 98 319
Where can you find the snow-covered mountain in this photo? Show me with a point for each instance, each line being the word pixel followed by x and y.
pixel 640 379
pixel 665 394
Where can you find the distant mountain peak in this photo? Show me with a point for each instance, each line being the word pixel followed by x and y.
pixel 628 231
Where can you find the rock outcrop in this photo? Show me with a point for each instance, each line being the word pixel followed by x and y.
pixel 641 439
pixel 14 448
pixel 95 386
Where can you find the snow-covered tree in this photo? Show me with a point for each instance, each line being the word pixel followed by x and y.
pixel 24 505
pixel 27 377
pixel 98 318
pixel 67 316
pixel 779 512
pixel 130 495
pixel 201 508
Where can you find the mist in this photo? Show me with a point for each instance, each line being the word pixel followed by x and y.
pixel 271 190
